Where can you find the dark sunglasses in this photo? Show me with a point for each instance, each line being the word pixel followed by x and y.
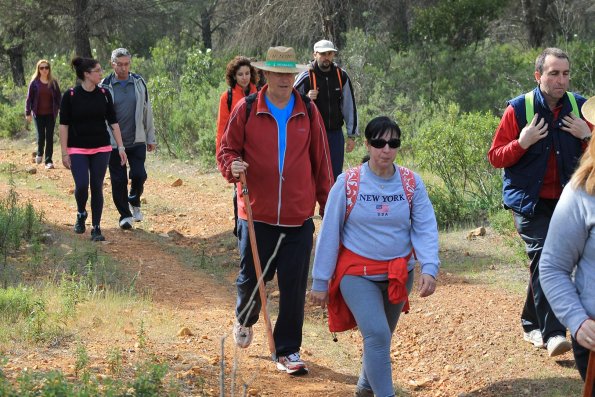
pixel 44 67
pixel 381 143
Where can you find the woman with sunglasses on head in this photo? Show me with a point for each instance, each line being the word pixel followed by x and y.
pixel 42 105
pixel 85 140
pixel 363 269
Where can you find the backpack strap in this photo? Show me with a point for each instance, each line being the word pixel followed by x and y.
pixel 312 77
pixel 229 97
pixel 573 103
pixel 530 105
pixel 408 181
pixel 250 99
pixel 351 188
pixel 340 79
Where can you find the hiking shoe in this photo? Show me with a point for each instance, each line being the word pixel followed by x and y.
pixel 557 345
pixel 96 234
pixel 136 214
pixel 534 337
pixel 292 364
pixel 38 159
pixel 79 225
pixel 242 335
pixel 126 223
pixel 363 392
pixel 49 166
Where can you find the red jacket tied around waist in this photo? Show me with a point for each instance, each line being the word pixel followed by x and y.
pixel 349 263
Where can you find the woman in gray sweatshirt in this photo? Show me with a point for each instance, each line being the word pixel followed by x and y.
pixel 570 246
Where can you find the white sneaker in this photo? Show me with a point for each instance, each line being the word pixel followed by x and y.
pixel 557 345
pixel 136 214
pixel 242 335
pixel 126 223
pixel 49 166
pixel 292 364
pixel 38 159
pixel 534 337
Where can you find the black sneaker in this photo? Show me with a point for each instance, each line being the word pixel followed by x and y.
pixel 96 234
pixel 79 225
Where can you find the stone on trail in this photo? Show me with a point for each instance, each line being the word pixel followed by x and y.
pixel 480 231
pixel 185 331
pixel 177 182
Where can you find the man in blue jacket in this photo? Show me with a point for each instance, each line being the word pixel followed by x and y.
pixel 538 143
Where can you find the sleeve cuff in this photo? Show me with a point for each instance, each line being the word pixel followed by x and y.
pixel 431 269
pixel 319 285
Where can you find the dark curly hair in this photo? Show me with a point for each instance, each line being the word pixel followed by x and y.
pixel 232 69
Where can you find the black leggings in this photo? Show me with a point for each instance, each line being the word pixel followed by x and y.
pixel 45 136
pixel 89 170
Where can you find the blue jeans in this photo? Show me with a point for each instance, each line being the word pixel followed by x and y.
pixel 537 313
pixel 89 170
pixel 336 145
pixel 137 155
pixel 376 319
pixel 291 264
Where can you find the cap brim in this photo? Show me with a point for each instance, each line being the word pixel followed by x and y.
pixel 588 110
pixel 280 69
pixel 325 50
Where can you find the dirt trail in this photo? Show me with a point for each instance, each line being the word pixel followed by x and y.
pixel 463 341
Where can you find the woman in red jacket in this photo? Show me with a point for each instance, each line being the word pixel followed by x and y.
pixel 42 105
pixel 241 78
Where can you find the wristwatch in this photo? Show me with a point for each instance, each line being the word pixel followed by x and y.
pixel 587 138
pixel 121 148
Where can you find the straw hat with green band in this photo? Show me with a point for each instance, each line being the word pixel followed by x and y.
pixel 280 60
pixel 588 110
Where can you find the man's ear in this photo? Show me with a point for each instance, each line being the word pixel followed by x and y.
pixel 537 76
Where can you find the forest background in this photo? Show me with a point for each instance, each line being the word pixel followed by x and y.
pixel 443 69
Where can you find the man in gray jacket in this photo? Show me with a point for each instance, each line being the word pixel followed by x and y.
pixel 135 116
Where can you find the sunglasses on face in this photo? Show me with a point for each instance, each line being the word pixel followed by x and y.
pixel 44 68
pixel 381 143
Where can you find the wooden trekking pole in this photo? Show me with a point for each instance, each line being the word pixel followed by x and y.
pixel 257 268
pixel 590 378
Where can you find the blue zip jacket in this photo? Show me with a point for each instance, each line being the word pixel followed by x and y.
pixel 522 182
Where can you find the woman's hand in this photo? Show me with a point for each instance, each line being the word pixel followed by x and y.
pixel 28 118
pixel 585 335
pixel 427 285
pixel 123 157
pixel 319 298
pixel 66 161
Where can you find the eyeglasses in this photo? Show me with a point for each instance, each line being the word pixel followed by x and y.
pixel 381 143
pixel 44 68
pixel 95 70
pixel 121 64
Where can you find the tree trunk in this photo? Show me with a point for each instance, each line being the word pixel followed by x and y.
pixel 82 45
pixel 333 21
pixel 534 12
pixel 16 53
pixel 205 26
pixel 401 24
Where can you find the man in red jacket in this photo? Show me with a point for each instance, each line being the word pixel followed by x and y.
pixel 277 138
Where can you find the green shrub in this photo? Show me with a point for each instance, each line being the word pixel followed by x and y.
pixel 453 146
pixel 15 303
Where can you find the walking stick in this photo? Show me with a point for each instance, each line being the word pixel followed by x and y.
pixel 257 268
pixel 590 378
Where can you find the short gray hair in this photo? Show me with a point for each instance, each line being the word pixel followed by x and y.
pixel 120 52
